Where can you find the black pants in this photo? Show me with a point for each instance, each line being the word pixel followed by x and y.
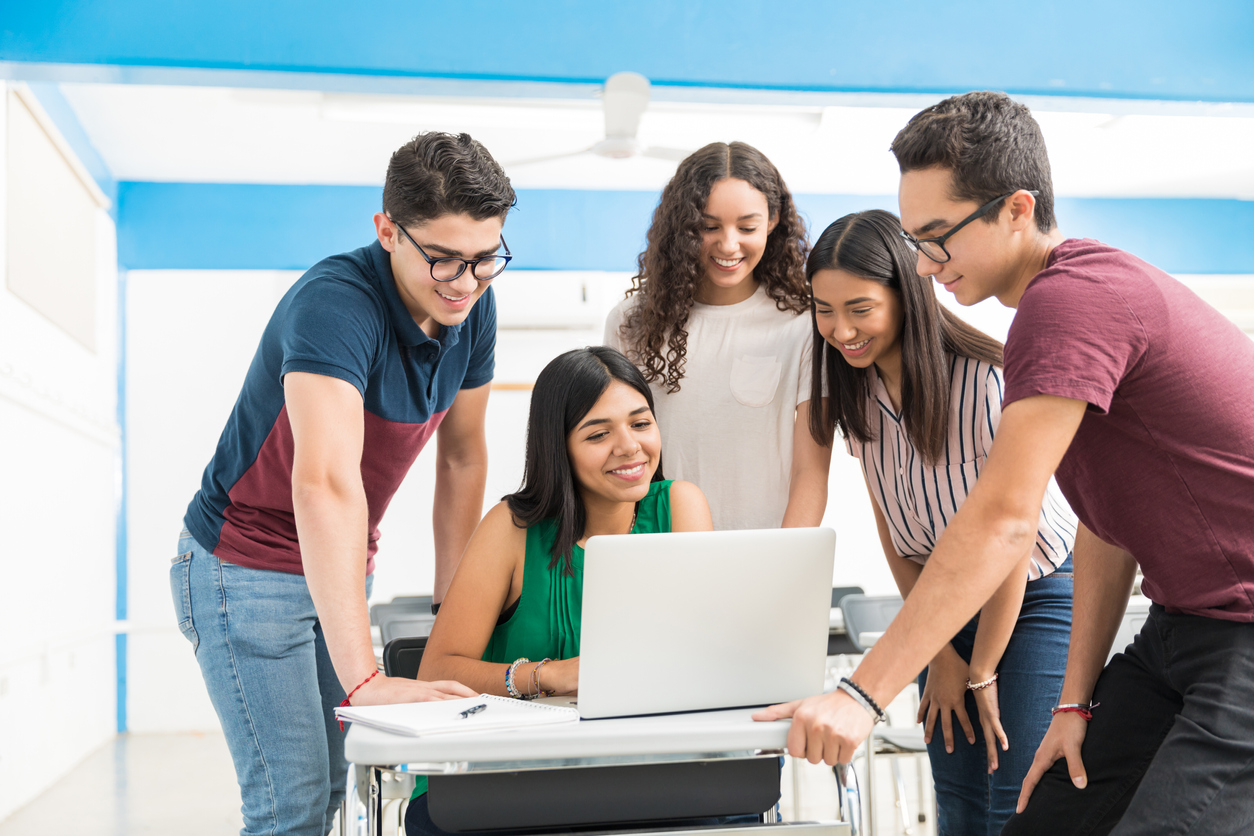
pixel 1170 750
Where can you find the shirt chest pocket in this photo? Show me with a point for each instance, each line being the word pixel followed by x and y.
pixel 754 379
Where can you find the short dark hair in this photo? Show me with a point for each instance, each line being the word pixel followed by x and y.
pixel 869 245
pixel 990 142
pixel 437 174
pixel 564 393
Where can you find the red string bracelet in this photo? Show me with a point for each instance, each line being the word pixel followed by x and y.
pixel 345 703
pixel 1085 711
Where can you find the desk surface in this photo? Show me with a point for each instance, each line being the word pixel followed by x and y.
pixel 706 733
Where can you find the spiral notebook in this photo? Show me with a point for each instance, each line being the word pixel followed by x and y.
pixel 419 719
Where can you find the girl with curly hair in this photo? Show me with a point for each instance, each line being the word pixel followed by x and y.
pixel 715 322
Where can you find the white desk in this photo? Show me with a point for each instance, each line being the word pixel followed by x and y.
pixel 701 736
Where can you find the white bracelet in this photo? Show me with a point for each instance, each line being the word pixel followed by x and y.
pixel 510 687
pixel 980 686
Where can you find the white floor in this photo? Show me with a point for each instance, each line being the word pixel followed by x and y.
pixel 184 785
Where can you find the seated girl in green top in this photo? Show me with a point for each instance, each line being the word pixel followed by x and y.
pixel 593 466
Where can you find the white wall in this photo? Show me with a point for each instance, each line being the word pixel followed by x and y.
pixel 58 477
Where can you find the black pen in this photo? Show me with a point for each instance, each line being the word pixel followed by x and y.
pixel 474 709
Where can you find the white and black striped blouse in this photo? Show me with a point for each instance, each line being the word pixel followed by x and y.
pixel 918 499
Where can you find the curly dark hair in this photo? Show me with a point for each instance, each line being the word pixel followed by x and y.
pixel 669 271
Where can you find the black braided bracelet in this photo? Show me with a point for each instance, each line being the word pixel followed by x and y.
pixel 867 703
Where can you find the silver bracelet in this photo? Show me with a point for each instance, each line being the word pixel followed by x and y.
pixel 863 699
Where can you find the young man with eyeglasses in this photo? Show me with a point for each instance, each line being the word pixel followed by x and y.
pixel 1138 395
pixel 369 355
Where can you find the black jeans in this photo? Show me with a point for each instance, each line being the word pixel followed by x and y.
pixel 1170 750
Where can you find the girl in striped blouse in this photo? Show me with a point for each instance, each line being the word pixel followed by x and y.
pixel 916 394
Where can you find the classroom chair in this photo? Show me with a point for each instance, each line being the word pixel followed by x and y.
pixel 866 619
pixel 837 644
pixel 398 620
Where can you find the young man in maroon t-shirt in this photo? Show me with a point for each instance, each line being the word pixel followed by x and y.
pixel 1141 398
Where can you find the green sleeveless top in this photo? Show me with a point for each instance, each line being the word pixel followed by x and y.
pixel 546 621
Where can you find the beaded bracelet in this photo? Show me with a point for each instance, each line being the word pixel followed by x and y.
pixel 980 686
pixel 510 688
pixel 862 698
pixel 1085 711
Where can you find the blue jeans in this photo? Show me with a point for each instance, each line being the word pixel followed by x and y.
pixel 261 651
pixel 969 801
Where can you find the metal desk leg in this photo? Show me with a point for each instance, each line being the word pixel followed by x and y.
pixel 849 799
pixel 795 771
pixel 870 782
pixel 368 780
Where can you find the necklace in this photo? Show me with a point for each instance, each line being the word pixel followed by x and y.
pixel 632 527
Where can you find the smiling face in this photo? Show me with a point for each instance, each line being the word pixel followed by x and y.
pixel 735 226
pixel 433 303
pixel 615 448
pixel 982 255
pixel 860 318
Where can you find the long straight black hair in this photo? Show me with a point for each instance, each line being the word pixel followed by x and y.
pixel 564 394
pixel 869 245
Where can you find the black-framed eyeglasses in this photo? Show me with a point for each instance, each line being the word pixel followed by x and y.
pixel 934 248
pixel 449 267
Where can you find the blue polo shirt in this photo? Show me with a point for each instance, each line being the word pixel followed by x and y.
pixel 344 318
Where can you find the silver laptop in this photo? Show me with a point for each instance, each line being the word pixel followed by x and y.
pixel 703 620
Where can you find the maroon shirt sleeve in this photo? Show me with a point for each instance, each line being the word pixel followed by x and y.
pixel 1074 337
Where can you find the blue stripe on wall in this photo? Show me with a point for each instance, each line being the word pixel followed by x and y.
pixel 226 227
pixel 1164 49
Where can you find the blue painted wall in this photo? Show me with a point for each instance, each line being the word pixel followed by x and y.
pixel 214 226
pixel 1151 48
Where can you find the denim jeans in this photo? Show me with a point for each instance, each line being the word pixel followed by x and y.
pixel 261 651
pixel 1170 749
pixel 969 801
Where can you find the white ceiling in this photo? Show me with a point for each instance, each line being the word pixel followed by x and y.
pixel 236 135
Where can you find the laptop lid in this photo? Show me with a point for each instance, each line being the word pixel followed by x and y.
pixel 702 620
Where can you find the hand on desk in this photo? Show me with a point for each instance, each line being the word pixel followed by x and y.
pixel 944 695
pixel 825 728
pixel 386 690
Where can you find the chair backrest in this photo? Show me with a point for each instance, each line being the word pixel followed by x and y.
pixel 398 625
pixel 838 644
pixel 409 605
pixel 415 600
pixel 401 657
pixel 866 614
pixel 839 592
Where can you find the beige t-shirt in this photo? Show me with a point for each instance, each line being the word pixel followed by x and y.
pixel 729 428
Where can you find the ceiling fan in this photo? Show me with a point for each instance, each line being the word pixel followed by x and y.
pixel 624 100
